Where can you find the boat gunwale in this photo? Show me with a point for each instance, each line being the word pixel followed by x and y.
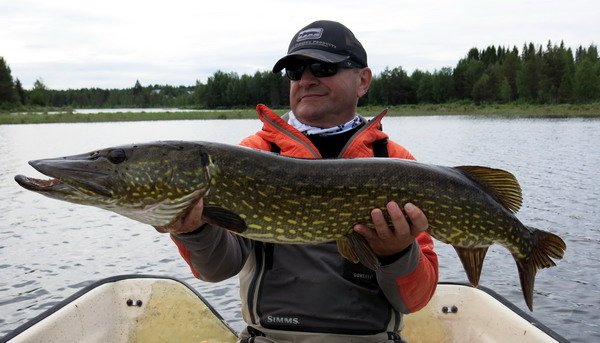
pixel 116 278
pixel 514 308
pixel 95 284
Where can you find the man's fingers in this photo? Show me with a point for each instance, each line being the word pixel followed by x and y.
pixel 170 228
pixel 160 229
pixel 381 225
pixel 397 217
pixel 417 218
pixel 365 231
pixel 386 240
pixel 378 217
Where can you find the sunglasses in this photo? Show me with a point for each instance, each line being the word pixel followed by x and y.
pixel 295 69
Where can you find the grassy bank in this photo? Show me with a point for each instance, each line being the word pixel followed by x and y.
pixel 65 117
pixel 505 110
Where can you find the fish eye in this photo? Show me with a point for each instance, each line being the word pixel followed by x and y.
pixel 117 156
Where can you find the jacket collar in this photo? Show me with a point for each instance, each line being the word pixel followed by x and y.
pixel 293 143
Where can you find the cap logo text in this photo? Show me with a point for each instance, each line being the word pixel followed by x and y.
pixel 314 33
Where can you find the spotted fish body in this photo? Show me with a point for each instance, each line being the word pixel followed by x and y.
pixel 270 198
pixel 288 200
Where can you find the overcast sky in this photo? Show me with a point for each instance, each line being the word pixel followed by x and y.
pixel 111 44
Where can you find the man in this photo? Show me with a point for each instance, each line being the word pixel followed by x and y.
pixel 309 293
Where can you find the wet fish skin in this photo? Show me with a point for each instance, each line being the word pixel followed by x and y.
pixel 151 183
pixel 278 199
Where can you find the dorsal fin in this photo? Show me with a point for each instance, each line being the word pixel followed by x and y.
pixel 500 182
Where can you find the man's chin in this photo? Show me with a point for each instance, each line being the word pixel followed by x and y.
pixel 310 115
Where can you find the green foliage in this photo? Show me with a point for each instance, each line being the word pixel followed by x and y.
pixel 529 76
pixel 423 81
pixel 394 88
pixel 482 89
pixel 466 73
pixel 505 91
pixel 21 95
pixel 587 80
pixel 443 85
pixel 433 88
pixel 554 75
pixel 39 95
pixel 8 94
pixel 557 66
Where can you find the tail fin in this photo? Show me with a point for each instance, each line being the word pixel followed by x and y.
pixel 546 246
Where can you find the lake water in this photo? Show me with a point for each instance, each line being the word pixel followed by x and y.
pixel 50 249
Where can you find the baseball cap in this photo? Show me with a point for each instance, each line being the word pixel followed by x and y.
pixel 326 41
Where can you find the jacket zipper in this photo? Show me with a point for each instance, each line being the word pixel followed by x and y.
pixel 286 132
pixel 253 290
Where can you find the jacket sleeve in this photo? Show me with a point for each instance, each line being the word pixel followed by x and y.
pixel 213 253
pixel 410 281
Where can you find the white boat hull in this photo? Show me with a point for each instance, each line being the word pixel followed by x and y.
pixel 134 309
pixel 157 309
pixel 461 313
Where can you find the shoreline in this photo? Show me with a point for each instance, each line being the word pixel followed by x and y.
pixel 490 110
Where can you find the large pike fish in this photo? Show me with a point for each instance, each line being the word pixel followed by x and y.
pixel 267 197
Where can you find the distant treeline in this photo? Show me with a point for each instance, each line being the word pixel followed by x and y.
pixel 549 75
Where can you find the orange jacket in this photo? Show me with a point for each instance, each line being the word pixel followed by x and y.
pixel 406 284
pixel 416 288
pixel 295 144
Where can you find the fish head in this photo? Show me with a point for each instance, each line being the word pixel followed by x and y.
pixel 153 183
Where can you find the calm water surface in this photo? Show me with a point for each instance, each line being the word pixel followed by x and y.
pixel 50 249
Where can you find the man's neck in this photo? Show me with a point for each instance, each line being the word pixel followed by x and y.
pixel 331 146
pixel 308 129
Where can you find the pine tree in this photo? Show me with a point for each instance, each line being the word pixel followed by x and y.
pixel 587 81
pixel 529 76
pixel 557 70
pixel 140 95
pixel 396 87
pixel 483 90
pixel 505 91
pixel 39 95
pixel 424 87
pixel 511 64
pixel 21 95
pixel 443 85
pixel 8 93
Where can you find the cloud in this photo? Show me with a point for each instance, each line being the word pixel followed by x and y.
pixel 110 44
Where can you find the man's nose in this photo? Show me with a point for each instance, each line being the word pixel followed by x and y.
pixel 308 77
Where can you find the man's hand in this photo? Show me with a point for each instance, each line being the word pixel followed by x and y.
pixel 388 240
pixel 187 223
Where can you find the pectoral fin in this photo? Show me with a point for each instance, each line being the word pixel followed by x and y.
pixel 224 218
pixel 355 248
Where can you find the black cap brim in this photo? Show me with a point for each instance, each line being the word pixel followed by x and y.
pixel 318 55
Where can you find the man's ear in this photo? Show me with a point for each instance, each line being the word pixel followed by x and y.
pixel 365 75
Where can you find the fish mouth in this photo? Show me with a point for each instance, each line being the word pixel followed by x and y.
pixel 38 185
pixel 65 179
pixel 57 186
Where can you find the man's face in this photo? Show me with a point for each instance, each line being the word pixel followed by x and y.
pixel 328 101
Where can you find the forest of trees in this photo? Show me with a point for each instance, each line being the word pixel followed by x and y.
pixel 549 75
